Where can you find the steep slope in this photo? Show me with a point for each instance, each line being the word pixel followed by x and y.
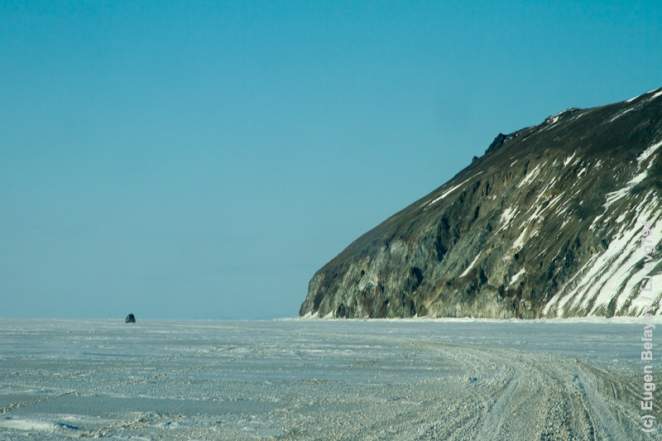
pixel 560 219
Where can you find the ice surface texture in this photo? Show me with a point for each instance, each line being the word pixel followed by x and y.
pixel 319 380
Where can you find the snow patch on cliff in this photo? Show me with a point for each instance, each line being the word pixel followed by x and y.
pixel 450 190
pixel 471 265
pixel 517 276
pixel 531 175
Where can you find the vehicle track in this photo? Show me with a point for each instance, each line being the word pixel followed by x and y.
pixel 522 396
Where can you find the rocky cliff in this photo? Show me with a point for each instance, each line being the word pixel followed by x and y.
pixel 560 219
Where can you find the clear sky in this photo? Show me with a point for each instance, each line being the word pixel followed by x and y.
pixel 203 159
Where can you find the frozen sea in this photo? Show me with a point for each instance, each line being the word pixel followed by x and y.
pixel 321 380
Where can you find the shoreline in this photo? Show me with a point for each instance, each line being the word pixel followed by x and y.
pixel 590 320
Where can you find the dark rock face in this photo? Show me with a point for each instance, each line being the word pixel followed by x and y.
pixel 130 318
pixel 559 219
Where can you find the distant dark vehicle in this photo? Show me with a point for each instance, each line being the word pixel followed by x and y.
pixel 130 318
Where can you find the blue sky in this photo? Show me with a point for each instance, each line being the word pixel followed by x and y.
pixel 203 159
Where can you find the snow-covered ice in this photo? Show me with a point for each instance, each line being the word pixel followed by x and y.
pixel 320 380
